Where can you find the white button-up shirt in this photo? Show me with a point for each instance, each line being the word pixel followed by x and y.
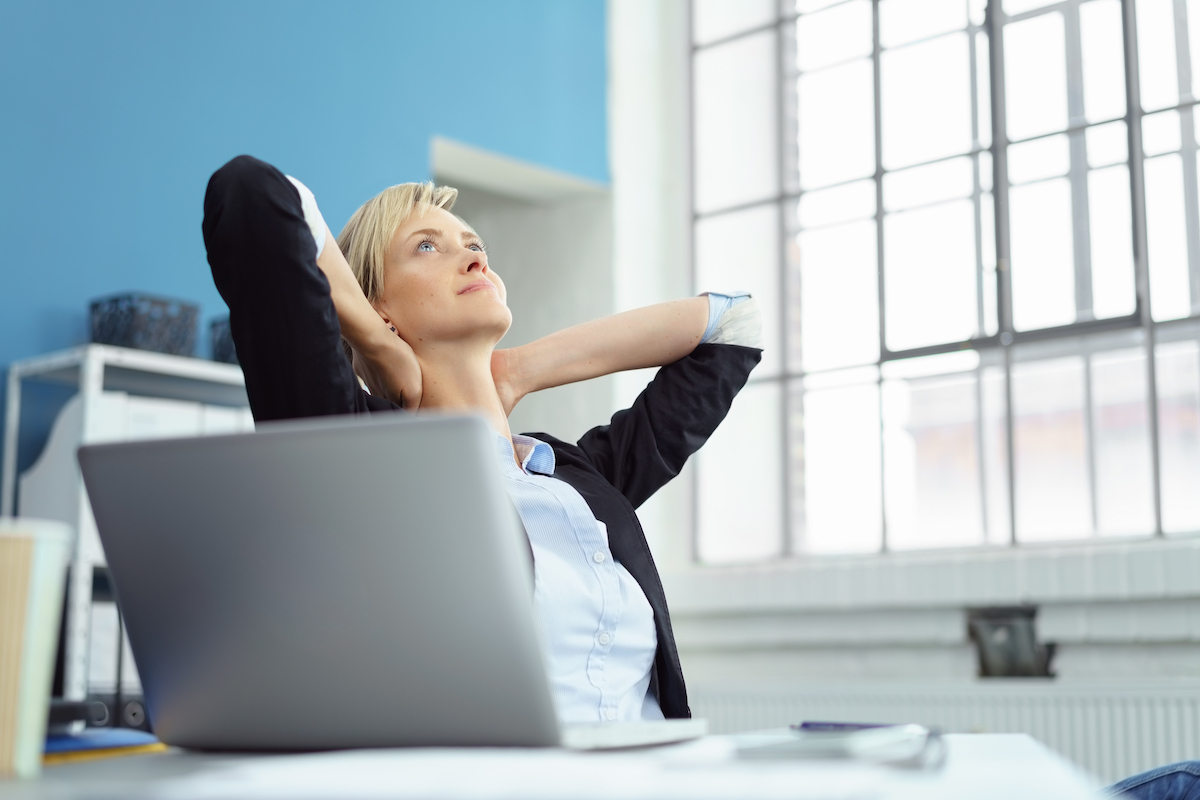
pixel 597 626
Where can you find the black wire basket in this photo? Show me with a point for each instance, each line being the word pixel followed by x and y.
pixel 222 341
pixel 145 322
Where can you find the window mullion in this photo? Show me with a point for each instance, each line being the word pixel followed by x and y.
pixel 879 265
pixel 1137 186
pixel 980 316
pixel 994 25
pixel 1187 153
pixel 1081 235
pixel 782 130
pixel 977 185
pixel 1078 171
pixel 1000 169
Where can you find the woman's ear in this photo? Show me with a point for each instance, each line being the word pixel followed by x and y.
pixel 381 310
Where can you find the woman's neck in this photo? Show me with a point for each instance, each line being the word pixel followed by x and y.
pixel 459 378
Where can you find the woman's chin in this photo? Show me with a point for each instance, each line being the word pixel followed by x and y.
pixel 485 329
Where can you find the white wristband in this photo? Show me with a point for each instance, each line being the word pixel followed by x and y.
pixel 725 327
pixel 312 214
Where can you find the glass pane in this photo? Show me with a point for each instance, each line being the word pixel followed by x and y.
pixel 716 19
pixel 840 204
pixel 1043 260
pixel 985 170
pixel 931 467
pixel 919 186
pixel 929 275
pixel 1113 288
pixel 1160 133
pixel 1035 76
pixel 935 366
pixel 983 89
pixel 1166 232
pixel 926 103
pixel 740 488
pixel 1177 367
pixel 978 11
pixel 740 252
pixel 735 123
pixel 1049 442
pixel 903 21
pixel 1041 158
pixel 836 117
pixel 839 34
pixel 1012 7
pixel 808 6
pixel 994 438
pixel 1156 53
pixel 839 298
pixel 1193 15
pixel 842 499
pixel 1121 439
pixel 1103 59
pixel 1107 144
pixel 987 244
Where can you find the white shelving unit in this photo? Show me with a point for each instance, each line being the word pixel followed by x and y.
pixel 122 394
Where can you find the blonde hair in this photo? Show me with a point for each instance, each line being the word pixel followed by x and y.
pixel 366 238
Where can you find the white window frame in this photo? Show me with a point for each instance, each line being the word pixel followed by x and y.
pixel 1000 347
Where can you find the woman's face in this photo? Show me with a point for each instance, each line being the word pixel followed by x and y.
pixel 437 285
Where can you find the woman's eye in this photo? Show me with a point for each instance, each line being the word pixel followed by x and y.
pixel 426 247
pixel 476 247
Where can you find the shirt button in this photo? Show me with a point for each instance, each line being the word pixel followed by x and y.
pixel 610 714
pixel 599 556
pixel 604 638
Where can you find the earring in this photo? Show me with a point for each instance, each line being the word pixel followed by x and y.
pixel 393 330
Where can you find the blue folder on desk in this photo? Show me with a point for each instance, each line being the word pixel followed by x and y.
pixel 100 742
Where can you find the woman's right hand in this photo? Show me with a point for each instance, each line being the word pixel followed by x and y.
pixel 382 359
pixel 390 369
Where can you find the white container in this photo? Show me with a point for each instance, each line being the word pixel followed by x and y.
pixel 33 562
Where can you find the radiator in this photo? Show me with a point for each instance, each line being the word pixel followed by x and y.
pixel 1111 729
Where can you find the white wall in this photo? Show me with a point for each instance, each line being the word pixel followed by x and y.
pixel 554 258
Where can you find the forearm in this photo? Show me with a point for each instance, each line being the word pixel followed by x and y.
pixel 645 337
pixel 361 324
pixel 287 336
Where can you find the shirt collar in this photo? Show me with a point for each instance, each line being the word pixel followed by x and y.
pixel 533 454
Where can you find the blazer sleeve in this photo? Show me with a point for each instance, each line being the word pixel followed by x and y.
pixel 646 445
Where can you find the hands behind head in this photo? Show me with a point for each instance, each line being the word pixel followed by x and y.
pixel 390 369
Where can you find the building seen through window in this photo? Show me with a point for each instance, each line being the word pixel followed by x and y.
pixel 982 315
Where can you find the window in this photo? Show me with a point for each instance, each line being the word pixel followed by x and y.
pixel 982 316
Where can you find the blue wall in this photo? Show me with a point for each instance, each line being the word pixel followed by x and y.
pixel 114 114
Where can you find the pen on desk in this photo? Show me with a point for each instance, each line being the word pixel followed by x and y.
pixel 836 727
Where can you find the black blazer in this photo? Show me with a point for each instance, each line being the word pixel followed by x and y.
pixel 288 340
pixel 617 467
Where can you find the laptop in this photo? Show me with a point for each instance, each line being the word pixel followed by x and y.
pixel 332 583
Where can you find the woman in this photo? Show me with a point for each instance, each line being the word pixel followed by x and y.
pixel 422 312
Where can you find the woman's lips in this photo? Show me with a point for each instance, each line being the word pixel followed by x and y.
pixel 482 283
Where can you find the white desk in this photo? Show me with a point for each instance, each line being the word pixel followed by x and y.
pixel 1000 766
